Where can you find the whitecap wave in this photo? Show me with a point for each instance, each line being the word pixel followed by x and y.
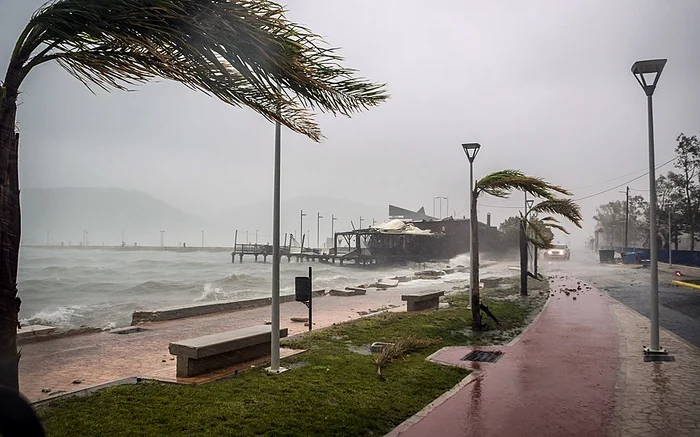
pixel 60 317
pixel 211 293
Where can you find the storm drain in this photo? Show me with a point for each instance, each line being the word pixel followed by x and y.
pixel 127 330
pixel 483 356
pixel 655 358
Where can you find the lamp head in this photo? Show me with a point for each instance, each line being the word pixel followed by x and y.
pixel 471 149
pixel 648 73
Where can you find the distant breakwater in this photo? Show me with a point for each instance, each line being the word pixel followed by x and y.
pixel 135 248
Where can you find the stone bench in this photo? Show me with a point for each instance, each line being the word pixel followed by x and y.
pixel 423 300
pixel 200 355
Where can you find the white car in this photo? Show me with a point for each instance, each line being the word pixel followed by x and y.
pixel 558 251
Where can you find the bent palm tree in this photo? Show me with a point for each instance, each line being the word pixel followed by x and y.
pixel 245 53
pixel 501 184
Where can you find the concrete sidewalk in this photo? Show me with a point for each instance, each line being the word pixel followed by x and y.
pixel 577 371
pixel 98 358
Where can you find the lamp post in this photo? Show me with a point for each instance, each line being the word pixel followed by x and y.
pixel 162 239
pixel 276 258
pixel 360 222
pixel 333 219
pixel 523 247
pixel 642 70
pixel 301 229
pixel 447 206
pixel 471 150
pixel 318 230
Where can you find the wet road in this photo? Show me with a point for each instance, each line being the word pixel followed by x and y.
pixel 679 307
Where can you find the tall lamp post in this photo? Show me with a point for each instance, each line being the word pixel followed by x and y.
pixel 276 258
pixel 318 230
pixel 471 150
pixel 523 247
pixel 301 229
pixel 333 219
pixel 642 70
pixel 447 206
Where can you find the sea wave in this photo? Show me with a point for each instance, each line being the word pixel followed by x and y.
pixel 153 287
pixel 61 317
pixel 212 293
pixel 241 281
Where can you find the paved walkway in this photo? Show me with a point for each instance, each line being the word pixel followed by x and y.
pixel 577 371
pixel 94 359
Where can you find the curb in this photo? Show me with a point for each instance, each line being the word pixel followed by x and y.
pixel 686 284
pixel 408 423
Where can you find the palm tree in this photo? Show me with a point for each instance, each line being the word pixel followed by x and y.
pixel 500 184
pixel 243 52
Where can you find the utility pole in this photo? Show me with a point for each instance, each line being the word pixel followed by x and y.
pixel 627 215
pixel 318 230
pixel 301 225
pixel 670 261
pixel 447 206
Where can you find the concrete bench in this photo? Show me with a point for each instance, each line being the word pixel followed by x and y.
pixel 423 300
pixel 216 351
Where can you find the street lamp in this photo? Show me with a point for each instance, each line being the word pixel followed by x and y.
pixel 523 246
pixel 301 230
pixel 642 70
pixel 276 258
pixel 318 230
pixel 471 150
pixel 447 206
pixel 333 219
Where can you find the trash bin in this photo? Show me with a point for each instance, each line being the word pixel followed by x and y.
pixel 630 258
pixel 606 256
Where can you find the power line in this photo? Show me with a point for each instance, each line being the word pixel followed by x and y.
pixel 624 183
pixel 592 195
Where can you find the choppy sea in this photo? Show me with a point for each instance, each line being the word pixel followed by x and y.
pixel 101 288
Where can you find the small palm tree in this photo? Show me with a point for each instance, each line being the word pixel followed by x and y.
pixel 501 184
pixel 243 52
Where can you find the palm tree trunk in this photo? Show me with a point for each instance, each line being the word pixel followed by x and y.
pixel 10 228
pixel 474 271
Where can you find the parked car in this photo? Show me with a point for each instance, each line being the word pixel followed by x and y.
pixel 558 251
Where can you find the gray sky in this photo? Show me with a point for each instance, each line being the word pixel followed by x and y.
pixel 544 86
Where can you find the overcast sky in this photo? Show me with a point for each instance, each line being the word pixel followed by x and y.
pixel 544 86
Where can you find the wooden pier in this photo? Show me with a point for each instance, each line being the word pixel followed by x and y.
pixel 364 257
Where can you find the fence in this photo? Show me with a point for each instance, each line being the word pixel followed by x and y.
pixel 681 257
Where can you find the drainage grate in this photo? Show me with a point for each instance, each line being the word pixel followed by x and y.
pixel 483 356
pixel 654 358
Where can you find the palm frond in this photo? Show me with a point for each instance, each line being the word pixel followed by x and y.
pixel 501 183
pixel 566 208
pixel 245 53
pixel 538 234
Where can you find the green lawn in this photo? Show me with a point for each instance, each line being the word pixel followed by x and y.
pixel 330 390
